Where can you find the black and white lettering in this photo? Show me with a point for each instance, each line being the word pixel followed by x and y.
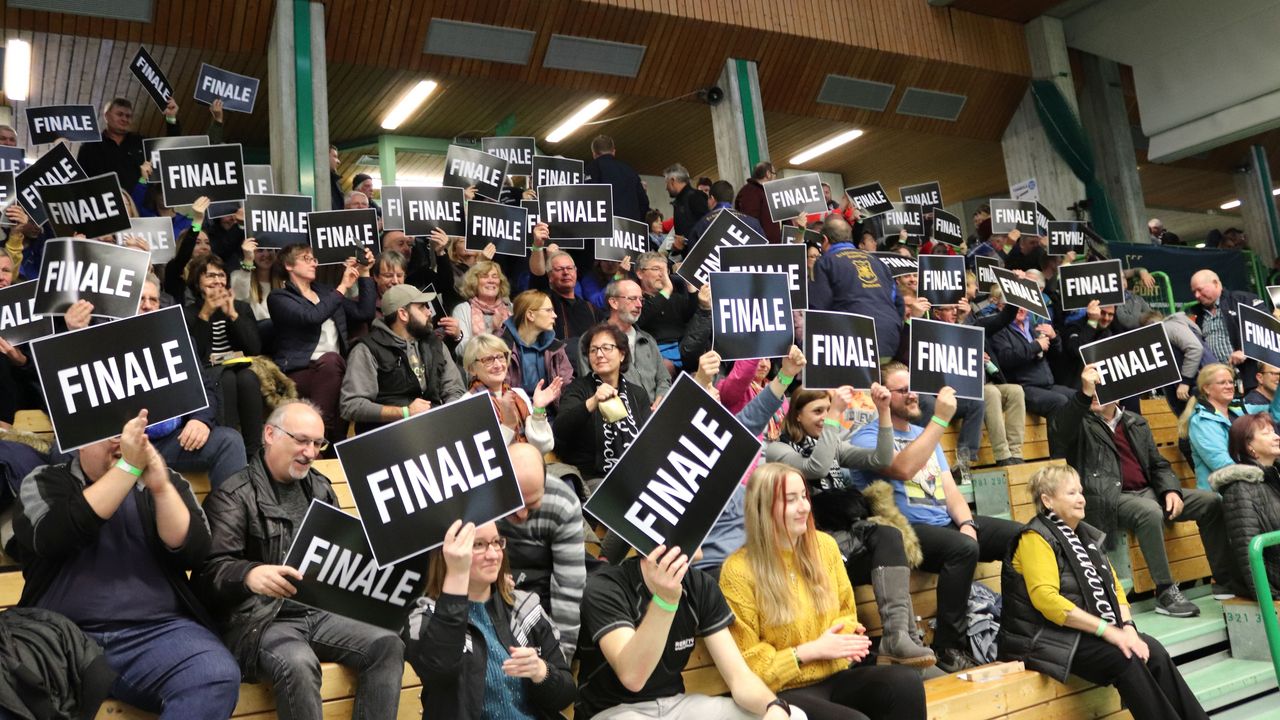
pixel 926 195
pixel 1132 362
pixel 55 167
pixel 1260 335
pixel 109 276
pixel 789 259
pixel 517 151
pixel 1020 292
pixel 502 225
pixel 788 197
pixel 751 315
pixel 428 208
pixel 841 349
pixel 212 171
pixel 703 258
pixel 1083 282
pixel 1008 215
pixel 465 167
pixel 549 170
pixel 870 199
pixel 237 92
pixel 148 72
pixel 158 234
pixel 77 123
pixel 336 235
pixel 941 279
pixel 276 221
pixel 946 355
pixel 577 211
pixel 947 228
pixel 92 207
pixel 19 321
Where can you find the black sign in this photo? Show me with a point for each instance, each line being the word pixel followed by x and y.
pixel 789 259
pixel 277 221
pixel 517 151
pixel 870 199
pixel 982 265
pixel 1069 236
pixel 212 171
pixel 941 279
pixel 947 228
pixel 464 167
pixel 1259 335
pixel 1020 292
pixel 77 123
pixel 790 196
pixel 428 208
pixel 630 238
pixel 392 208
pixel 502 225
pixel 1131 363
pixel 549 170
pixel 157 232
pixel 237 92
pixel 946 355
pixel 800 236
pixel 99 378
pixel 1006 215
pixel 258 180
pixel 340 574
pixel 93 207
pixel 336 235
pixel 926 195
pixel 675 479
pixel 152 78
pixel 898 265
pixel 8 194
pixel 1081 282
pixel 841 349
pixel 1043 218
pixel 12 159
pixel 53 168
pixel 577 211
pixel 109 276
pixel 726 230
pixel 151 148
pixel 19 321
pixel 903 216
pixel 751 315
pixel 411 479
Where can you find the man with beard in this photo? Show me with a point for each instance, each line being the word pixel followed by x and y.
pixel 400 368
pixel 647 369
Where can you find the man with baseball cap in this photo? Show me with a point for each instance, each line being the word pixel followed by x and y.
pixel 400 368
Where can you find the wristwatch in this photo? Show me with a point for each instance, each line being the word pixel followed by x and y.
pixel 971 523
pixel 778 702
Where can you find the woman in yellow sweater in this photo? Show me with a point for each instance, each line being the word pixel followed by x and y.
pixel 794 614
pixel 1066 614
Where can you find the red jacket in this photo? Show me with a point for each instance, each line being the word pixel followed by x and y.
pixel 751 201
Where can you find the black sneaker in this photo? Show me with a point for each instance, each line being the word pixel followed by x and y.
pixel 952 660
pixel 1009 461
pixel 1173 603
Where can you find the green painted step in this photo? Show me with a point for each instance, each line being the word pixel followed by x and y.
pixel 1228 680
pixel 1182 635
pixel 1266 707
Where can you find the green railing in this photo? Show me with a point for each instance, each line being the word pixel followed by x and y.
pixel 1263 585
pixel 1161 296
pixel 1258 272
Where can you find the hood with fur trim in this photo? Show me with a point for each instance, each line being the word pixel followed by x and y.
pixel 1222 477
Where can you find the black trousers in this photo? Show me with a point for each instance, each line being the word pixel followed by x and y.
pixel 883 549
pixel 871 692
pixel 19 388
pixel 1153 690
pixel 954 556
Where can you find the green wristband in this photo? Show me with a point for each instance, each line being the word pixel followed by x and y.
pixel 831 423
pixel 785 379
pixel 540 411
pixel 404 412
pixel 125 466
pixel 940 421
pixel 1102 628
pixel 195 227
pixel 664 605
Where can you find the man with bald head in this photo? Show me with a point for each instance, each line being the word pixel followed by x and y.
pixel 254 517
pixel 1218 317
pixel 846 279
pixel 544 543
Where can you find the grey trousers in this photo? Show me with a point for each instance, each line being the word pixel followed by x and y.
pixel 1143 513
pixel 684 707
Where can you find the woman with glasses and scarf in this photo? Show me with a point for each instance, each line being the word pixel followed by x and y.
pixel 1066 614
pixel 523 419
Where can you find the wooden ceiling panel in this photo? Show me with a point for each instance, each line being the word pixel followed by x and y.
pixel 1019 11
pixel 202 24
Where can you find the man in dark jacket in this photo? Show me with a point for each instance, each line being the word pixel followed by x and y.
pixel 254 517
pixel 1022 352
pixel 688 203
pixel 629 197
pixel 400 368
pixel 751 201
pixel 1128 485
pixel 722 199
pixel 1218 317
pixel 848 280
pixel 120 149
pixel 106 541
pixel 1094 326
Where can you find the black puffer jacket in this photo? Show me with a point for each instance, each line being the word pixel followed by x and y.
pixel 1084 439
pixel 1251 506
pixel 249 529
pixel 49 667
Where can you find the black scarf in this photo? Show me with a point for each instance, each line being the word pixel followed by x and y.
pixel 1092 573
pixel 619 435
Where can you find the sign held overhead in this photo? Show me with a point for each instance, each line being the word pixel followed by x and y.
pixel 841 349
pixel 237 92
pixel 76 123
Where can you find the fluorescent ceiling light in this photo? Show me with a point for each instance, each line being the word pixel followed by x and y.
pixel 1230 205
pixel 17 69
pixel 826 146
pixel 1276 191
pixel 407 104
pixel 575 121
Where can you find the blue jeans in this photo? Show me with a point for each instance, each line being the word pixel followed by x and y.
pixel 221 456
pixel 177 668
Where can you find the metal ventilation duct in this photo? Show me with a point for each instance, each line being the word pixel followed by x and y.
pixel 931 104
pixel 604 57
pixel 855 93
pixel 479 42
pixel 134 10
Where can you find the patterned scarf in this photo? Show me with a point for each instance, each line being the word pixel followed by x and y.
pixel 511 408
pixel 497 312
pixel 835 477
pixel 1093 575
pixel 618 436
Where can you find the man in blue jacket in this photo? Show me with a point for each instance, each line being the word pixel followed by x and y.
pixel 629 197
pixel 849 280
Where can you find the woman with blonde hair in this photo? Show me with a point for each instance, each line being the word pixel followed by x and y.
pixel 794 614
pixel 1065 612
pixel 523 418
pixel 1206 422
pixel 486 302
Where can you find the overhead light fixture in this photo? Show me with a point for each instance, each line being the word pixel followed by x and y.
pixel 411 101
pixel 1230 205
pixel 17 69
pixel 578 119
pixel 1276 191
pixel 826 146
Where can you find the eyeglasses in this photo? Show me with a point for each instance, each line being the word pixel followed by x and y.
pixel 601 349
pixel 631 298
pixel 216 275
pixel 480 548
pixel 307 258
pixel 320 444
pixel 901 391
pixel 498 359
pixel 564 269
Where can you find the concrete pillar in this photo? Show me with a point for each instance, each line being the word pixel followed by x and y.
pixel 297 96
pixel 738 122
pixel 282 100
pixel 1106 120
pixel 1027 152
pixel 319 108
pixel 1258 205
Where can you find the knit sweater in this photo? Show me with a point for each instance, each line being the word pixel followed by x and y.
pixel 768 650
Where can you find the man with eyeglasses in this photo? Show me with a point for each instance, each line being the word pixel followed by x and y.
pixel 668 306
pixel 1268 377
pixel 254 517
pixel 400 368
pixel 626 302
pixel 554 272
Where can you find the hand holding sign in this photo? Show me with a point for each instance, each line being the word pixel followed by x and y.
pixel 663 572
pixel 459 540
pixel 272 581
